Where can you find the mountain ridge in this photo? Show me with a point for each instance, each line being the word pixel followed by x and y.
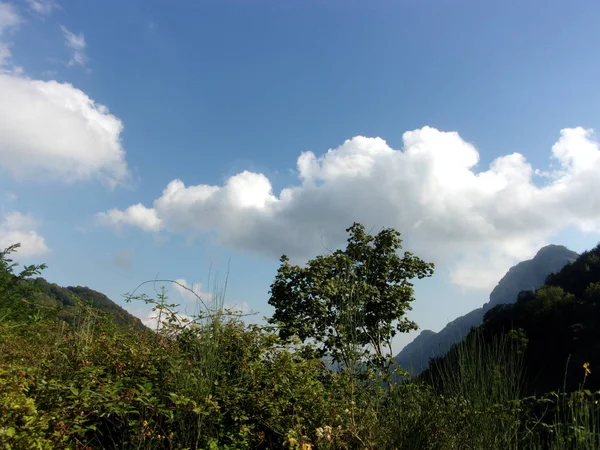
pixel 525 275
pixel 66 298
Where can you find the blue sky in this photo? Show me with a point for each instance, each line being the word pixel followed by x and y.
pixel 416 99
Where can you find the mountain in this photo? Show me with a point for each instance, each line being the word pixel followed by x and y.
pixel 525 276
pixel 65 298
pixel 552 333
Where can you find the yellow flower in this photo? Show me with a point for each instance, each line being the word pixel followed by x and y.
pixel 306 447
pixel 586 366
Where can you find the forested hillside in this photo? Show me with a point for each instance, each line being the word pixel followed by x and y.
pixel 526 275
pixel 556 328
pixel 78 374
pixel 66 298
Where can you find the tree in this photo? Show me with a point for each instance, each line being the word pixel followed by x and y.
pixel 13 288
pixel 352 302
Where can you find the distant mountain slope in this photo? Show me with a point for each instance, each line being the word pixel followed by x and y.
pixel 554 330
pixel 50 293
pixel 526 275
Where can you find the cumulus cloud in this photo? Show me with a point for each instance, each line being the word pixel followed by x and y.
pixel 76 43
pixel 42 7
pixel 476 222
pixel 9 22
pixel 21 228
pixel 136 215
pixel 53 130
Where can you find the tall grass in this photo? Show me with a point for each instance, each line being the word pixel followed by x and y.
pixel 463 402
pixel 191 354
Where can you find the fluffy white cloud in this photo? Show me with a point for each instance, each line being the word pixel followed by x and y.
pixel 77 44
pixel 136 215
pixel 54 130
pixel 479 222
pixel 21 228
pixel 9 22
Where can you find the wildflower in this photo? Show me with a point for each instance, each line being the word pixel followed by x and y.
pixel 586 366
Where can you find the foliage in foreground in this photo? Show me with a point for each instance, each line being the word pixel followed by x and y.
pixel 213 382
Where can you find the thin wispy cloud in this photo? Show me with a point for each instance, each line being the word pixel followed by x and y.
pixel 77 44
pixel 42 7
pixel 9 22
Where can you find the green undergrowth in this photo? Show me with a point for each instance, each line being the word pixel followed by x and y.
pixel 211 381
pixel 217 383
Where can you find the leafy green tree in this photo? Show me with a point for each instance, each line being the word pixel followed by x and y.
pixel 352 302
pixel 15 288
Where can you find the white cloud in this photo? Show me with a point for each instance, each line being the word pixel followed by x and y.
pixel 152 317
pixel 21 228
pixel 42 7
pixel 76 42
pixel 478 223
pixel 196 302
pixel 136 215
pixel 192 292
pixel 238 308
pixel 9 22
pixel 54 130
pixel 9 17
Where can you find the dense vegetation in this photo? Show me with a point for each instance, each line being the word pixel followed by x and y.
pixel 526 275
pixel 74 375
pixel 556 328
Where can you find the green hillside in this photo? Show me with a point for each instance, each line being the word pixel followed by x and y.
pixel 65 300
pixel 77 372
pixel 525 275
pixel 556 327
